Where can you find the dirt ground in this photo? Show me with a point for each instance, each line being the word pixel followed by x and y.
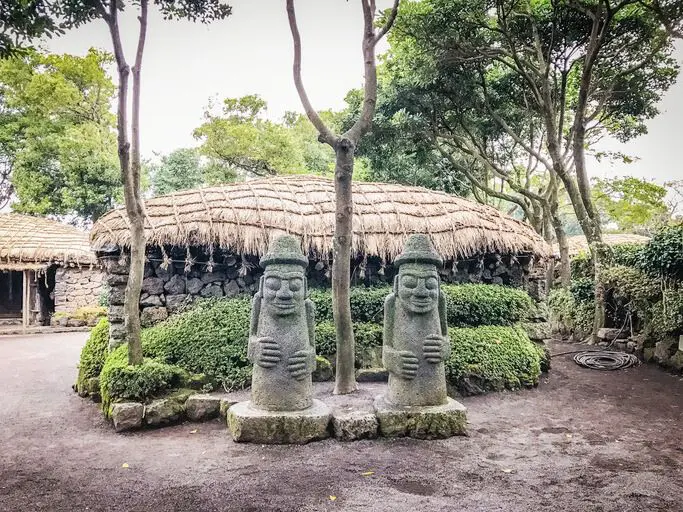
pixel 583 441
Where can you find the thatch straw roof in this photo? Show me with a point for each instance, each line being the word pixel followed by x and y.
pixel 29 243
pixel 578 243
pixel 244 216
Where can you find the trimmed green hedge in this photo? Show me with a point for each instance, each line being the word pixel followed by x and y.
pixel 485 304
pixel 492 358
pixel 468 304
pixel 93 355
pixel 120 381
pixel 209 338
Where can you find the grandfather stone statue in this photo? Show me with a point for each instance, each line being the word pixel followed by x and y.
pixel 415 347
pixel 415 329
pixel 281 341
pixel 282 347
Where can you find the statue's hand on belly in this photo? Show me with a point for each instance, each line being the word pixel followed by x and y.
pixel 267 352
pixel 299 364
pixel 436 348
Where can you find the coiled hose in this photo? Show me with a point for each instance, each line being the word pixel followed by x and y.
pixel 605 360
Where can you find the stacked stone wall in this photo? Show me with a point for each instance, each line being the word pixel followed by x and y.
pixel 77 287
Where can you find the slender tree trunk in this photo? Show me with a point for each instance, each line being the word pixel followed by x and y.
pixel 129 159
pixel 341 268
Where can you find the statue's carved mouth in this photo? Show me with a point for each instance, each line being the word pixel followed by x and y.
pixel 283 305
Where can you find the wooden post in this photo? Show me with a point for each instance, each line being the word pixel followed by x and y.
pixel 25 300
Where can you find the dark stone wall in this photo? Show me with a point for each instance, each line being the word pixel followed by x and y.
pixel 175 277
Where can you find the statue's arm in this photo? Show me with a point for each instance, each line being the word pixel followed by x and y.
pixel 253 327
pixel 310 321
pixel 389 355
pixel 443 319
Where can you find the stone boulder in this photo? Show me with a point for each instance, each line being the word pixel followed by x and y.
pixel 372 375
pixel 426 422
pixel 153 286
pixel 147 300
pixel 213 277
pixel 665 350
pixel 194 286
pixel 177 303
pixel 202 407
pixel 354 425
pixel 226 404
pixel 164 411
pixel 175 285
pixel 231 289
pixel 152 316
pixel 126 416
pixel 212 290
pixel 608 334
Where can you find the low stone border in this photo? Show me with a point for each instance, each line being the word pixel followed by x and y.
pixel 352 417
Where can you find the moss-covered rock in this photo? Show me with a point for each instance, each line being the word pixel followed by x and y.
pixel 435 422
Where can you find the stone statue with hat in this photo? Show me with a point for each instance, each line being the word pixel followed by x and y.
pixel 282 348
pixel 415 347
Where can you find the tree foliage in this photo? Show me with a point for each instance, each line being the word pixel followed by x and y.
pixel 179 170
pixel 57 142
pixel 239 140
pixel 633 204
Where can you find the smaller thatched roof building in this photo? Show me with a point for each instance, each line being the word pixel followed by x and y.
pixel 45 266
pixel 28 242
pixel 579 244
pixel 244 216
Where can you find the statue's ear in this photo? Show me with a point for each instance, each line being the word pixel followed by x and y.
pixel 305 287
pixel 260 283
pixel 396 283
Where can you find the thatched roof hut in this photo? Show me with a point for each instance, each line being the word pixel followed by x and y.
pixel 579 244
pixel 244 216
pixel 45 266
pixel 28 242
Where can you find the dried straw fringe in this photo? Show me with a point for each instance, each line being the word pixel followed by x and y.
pixel 244 217
pixel 31 240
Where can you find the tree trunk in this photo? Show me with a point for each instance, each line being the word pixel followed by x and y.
pixel 345 381
pixel 132 303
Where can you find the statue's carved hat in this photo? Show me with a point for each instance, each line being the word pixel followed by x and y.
pixel 418 249
pixel 284 250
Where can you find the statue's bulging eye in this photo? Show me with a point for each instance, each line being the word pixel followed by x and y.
pixel 410 282
pixel 295 284
pixel 431 283
pixel 273 283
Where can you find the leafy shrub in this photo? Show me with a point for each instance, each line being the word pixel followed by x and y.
pixel 583 290
pixel 119 381
pixel 365 334
pixel 581 266
pixel 663 254
pixel 367 304
pixel 496 357
pixel 666 316
pixel 93 354
pixel 485 304
pixel 570 315
pixel 627 254
pixel 211 338
pixel 629 292
pixel 468 304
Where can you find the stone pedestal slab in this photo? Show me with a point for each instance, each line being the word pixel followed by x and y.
pixel 251 425
pixel 421 422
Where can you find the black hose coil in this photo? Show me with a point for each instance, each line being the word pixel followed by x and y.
pixel 605 360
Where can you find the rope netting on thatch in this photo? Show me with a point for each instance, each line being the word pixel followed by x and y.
pixel 244 216
pixel 26 242
pixel 578 243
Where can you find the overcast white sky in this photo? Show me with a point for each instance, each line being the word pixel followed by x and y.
pixel 251 53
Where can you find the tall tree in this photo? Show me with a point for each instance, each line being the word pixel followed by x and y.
pixel 23 21
pixel 581 69
pixel 76 13
pixel 344 146
pixel 56 134
pixel 179 170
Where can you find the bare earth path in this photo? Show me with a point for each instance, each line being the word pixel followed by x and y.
pixel 584 440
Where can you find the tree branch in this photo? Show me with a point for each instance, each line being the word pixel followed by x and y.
pixel 390 21
pixel 326 134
